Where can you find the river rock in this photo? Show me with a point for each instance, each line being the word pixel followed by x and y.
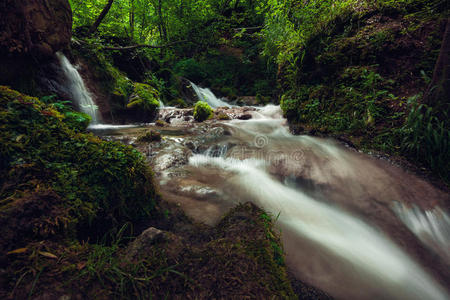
pixel 187 92
pixel 145 240
pixel 245 117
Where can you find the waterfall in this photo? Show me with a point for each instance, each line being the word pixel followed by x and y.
pixel 78 90
pixel 205 94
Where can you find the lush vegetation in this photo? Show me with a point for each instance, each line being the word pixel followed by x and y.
pixel 60 183
pixel 347 68
pixel 360 70
pixel 72 204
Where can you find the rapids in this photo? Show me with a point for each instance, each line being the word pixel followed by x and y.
pixel 352 225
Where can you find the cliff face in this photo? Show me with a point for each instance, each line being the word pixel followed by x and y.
pixel 30 32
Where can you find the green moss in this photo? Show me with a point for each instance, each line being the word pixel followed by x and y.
pixel 202 111
pixel 110 80
pixel 254 235
pixel 149 136
pixel 223 116
pixel 178 102
pixel 144 97
pixel 96 185
pixel 353 78
pixel 161 123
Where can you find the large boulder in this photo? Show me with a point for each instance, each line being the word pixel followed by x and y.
pixel 186 91
pixel 30 32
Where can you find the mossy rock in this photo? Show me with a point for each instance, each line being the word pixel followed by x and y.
pixel 57 181
pixel 223 116
pixel 144 102
pixel 202 111
pixel 149 136
pixel 161 123
pixel 178 102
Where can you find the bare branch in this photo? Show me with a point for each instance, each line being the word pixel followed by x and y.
pixel 144 46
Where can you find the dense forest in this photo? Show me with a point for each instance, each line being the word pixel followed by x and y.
pixel 207 149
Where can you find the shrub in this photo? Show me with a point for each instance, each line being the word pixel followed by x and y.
pixel 202 111
pixel 427 138
pixel 191 69
pixel 78 121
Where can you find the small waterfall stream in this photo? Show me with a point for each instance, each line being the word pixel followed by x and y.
pixel 205 94
pixel 354 226
pixel 79 93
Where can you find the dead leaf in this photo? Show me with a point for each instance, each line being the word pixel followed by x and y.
pixel 81 265
pixel 17 251
pixel 48 254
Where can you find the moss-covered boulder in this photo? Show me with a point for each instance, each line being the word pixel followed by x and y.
pixel 241 257
pixel 149 136
pixel 56 181
pixel 144 102
pixel 202 111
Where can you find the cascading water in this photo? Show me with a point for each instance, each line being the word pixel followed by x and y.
pixel 361 262
pixel 205 94
pixel 78 90
pixel 357 245
pixel 347 223
pixel 432 226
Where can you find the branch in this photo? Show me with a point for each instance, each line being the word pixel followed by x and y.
pixel 143 46
pixel 248 28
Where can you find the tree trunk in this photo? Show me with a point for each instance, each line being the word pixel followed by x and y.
pixel 224 6
pixel 163 29
pixel 438 93
pixel 132 19
pixel 101 17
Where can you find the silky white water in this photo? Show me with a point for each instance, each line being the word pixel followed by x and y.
pixel 376 265
pixel 371 253
pixel 205 94
pixel 342 230
pixel 431 226
pixel 79 93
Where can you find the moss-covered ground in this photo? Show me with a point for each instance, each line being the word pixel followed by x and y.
pixel 362 77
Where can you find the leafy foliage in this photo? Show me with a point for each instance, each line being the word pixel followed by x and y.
pixel 78 121
pixel 427 138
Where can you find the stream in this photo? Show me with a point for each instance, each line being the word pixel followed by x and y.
pixel 352 225
pixel 355 226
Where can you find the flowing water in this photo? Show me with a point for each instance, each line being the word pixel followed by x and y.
pixel 355 226
pixel 77 89
pixel 205 94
